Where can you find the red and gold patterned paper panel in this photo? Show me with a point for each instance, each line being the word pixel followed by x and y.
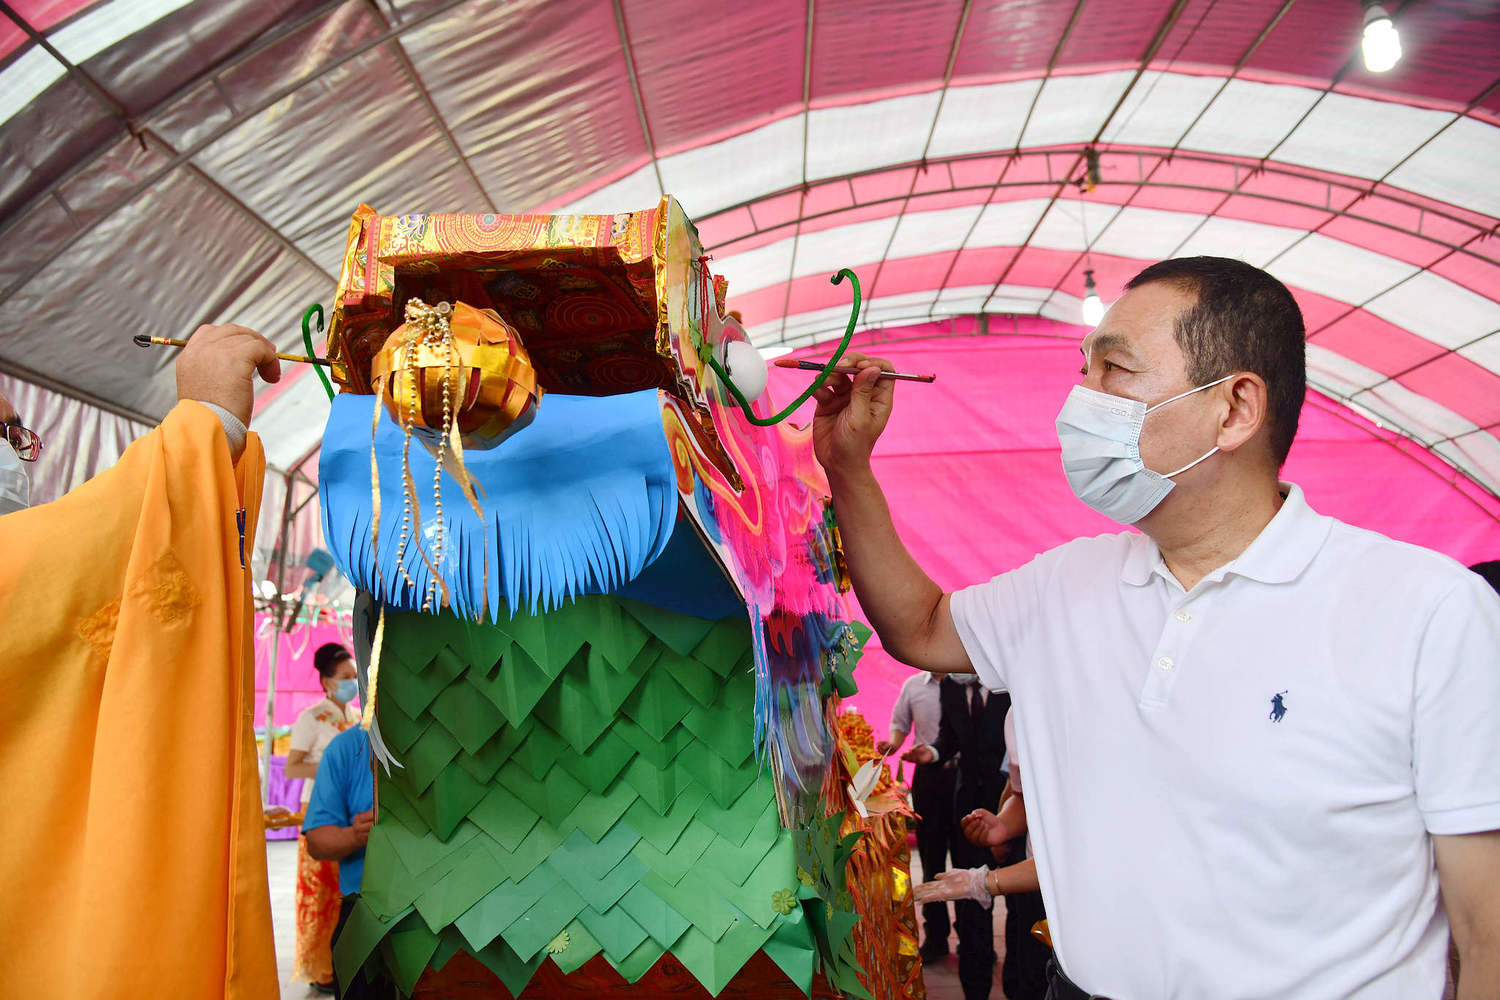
pixel 582 289
pixel 464 978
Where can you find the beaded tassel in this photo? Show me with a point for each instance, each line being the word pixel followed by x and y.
pixel 440 535
pixel 408 372
pixel 427 327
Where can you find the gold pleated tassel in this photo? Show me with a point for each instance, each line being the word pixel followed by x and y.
pixel 368 717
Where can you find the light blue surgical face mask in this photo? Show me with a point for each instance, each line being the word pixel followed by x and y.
pixel 15 484
pixel 1100 436
pixel 347 690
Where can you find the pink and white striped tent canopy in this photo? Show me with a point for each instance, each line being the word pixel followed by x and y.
pixel 165 163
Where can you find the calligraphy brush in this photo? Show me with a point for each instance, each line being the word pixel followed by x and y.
pixel 142 340
pixel 817 366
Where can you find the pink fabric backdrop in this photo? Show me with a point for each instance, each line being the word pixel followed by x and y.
pixel 296 679
pixel 970 466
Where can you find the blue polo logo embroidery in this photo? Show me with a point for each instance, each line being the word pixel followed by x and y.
pixel 1278 707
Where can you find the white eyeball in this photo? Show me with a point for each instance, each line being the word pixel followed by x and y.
pixel 746 368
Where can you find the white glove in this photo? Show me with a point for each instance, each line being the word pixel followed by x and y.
pixel 960 883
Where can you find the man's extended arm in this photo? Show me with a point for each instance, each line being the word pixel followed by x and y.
pixel 903 604
pixel 1469 873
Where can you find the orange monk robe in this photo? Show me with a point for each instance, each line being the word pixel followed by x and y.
pixel 132 849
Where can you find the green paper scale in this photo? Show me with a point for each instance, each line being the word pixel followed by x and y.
pixel 583 782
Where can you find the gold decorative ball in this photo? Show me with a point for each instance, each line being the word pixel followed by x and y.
pixel 474 357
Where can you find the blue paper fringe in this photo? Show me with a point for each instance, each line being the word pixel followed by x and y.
pixel 580 502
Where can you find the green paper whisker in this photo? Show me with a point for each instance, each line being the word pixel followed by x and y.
pixel 307 343
pixel 817 383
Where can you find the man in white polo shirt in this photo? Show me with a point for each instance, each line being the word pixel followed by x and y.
pixel 1258 741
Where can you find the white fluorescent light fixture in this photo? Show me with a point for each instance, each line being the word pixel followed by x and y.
pixel 1093 306
pixel 1382 43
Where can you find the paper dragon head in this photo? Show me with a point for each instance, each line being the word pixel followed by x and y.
pixel 640 611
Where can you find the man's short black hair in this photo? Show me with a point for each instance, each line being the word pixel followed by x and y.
pixel 328 657
pixel 1244 320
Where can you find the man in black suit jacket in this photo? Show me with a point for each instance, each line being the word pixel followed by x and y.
pixel 973 730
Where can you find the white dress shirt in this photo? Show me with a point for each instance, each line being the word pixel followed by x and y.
pixel 917 710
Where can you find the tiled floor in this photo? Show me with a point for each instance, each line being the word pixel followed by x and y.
pixel 281 865
pixel 281 860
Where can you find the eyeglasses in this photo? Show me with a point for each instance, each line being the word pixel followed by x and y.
pixel 27 445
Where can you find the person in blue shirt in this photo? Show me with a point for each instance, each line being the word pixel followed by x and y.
pixel 337 826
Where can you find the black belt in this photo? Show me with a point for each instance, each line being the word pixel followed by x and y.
pixel 1060 987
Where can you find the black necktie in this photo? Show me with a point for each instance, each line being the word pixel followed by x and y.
pixel 976 705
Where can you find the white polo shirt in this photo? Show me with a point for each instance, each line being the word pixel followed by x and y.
pixel 1230 790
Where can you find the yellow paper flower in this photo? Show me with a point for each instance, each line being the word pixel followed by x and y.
pixel 783 901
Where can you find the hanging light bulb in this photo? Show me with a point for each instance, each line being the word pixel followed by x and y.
pixel 1382 43
pixel 1093 306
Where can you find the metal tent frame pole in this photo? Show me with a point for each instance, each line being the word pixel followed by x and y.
pixel 282 618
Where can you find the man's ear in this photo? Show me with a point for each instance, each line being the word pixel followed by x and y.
pixel 1246 412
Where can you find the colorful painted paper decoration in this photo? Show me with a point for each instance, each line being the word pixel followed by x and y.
pixel 619 736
